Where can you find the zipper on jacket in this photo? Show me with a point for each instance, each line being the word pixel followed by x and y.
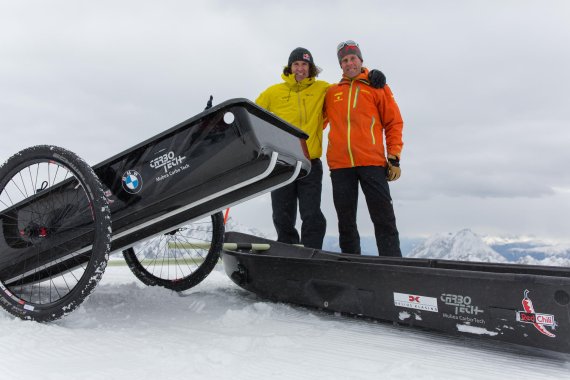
pixel 299 104
pixel 372 130
pixel 348 120
pixel 305 109
pixel 356 96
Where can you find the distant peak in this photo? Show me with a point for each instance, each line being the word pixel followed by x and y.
pixel 464 245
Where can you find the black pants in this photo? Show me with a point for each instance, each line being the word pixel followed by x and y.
pixel 374 185
pixel 307 191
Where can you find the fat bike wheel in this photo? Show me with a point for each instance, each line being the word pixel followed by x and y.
pixel 55 232
pixel 180 259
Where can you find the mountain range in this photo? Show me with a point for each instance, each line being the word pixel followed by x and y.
pixel 461 246
pixel 464 245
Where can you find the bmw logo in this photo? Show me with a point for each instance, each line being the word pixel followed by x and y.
pixel 132 181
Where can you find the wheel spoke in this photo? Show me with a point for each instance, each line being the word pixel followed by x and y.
pixel 170 261
pixel 55 234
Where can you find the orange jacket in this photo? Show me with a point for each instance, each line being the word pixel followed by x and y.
pixel 360 117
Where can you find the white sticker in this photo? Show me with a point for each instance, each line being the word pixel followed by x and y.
pixel 414 301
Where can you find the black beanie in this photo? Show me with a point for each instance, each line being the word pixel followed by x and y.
pixel 301 54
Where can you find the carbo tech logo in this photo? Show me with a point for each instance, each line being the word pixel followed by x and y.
pixel 132 181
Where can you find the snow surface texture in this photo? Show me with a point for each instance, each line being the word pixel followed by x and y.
pixel 219 331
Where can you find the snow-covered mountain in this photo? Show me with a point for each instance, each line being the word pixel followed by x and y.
pixel 465 245
pixel 368 244
pixel 529 250
pixel 232 225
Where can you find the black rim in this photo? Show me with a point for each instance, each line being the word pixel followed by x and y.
pixel 180 258
pixel 48 225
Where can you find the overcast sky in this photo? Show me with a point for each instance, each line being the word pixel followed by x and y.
pixel 483 87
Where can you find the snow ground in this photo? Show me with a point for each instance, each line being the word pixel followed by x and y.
pixel 219 331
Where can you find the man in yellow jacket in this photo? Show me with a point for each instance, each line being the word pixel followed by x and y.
pixel 299 101
pixel 361 118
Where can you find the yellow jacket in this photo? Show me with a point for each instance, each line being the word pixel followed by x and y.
pixel 300 104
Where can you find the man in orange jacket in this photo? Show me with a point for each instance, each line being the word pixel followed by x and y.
pixel 360 118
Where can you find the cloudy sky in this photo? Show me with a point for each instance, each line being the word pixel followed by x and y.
pixel 483 86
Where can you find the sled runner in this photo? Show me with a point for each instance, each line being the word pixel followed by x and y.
pixel 520 304
pixel 60 218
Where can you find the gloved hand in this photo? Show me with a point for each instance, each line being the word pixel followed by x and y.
pixel 376 78
pixel 394 170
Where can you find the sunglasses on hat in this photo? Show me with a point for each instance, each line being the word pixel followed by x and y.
pixel 344 44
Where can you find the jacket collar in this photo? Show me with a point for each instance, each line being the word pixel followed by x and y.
pixel 362 77
pixel 294 85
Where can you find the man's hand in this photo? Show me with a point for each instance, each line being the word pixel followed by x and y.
pixel 394 170
pixel 376 78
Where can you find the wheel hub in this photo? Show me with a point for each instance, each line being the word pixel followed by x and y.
pixel 34 230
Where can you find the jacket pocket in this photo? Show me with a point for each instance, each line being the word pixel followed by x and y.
pixel 372 130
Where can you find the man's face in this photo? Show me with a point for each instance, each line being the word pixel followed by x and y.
pixel 300 69
pixel 351 65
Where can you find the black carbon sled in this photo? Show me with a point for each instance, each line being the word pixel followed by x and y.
pixel 159 202
pixel 519 304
